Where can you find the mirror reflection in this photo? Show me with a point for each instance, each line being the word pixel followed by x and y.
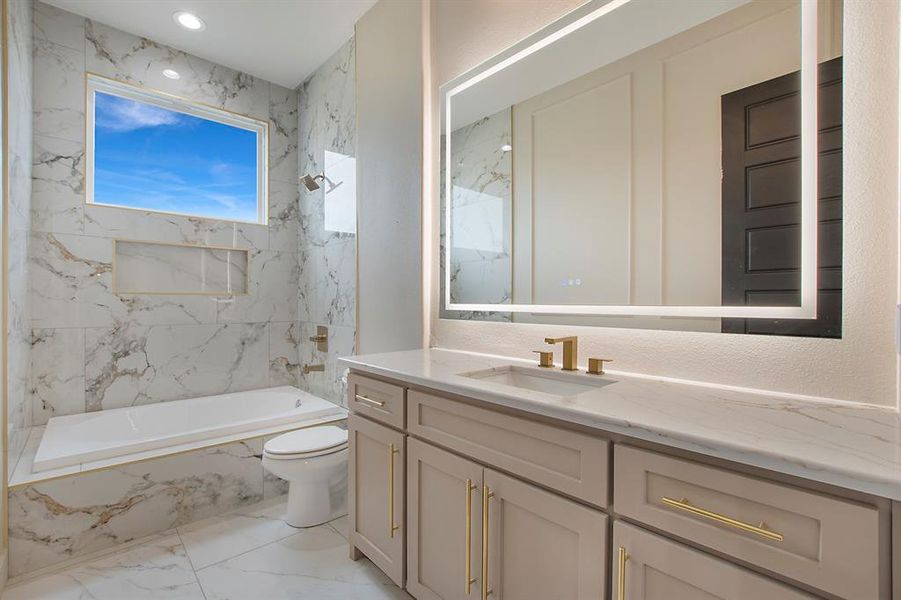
pixel 649 158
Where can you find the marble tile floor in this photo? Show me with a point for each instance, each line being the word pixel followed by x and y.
pixel 249 554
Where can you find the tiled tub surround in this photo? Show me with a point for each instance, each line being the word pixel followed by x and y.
pixel 19 159
pixel 65 513
pixel 852 446
pixel 92 349
pixel 327 290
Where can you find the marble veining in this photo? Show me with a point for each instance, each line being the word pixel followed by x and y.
pixel 848 445
pixel 158 568
pixel 326 293
pixel 58 185
pixel 140 61
pixel 118 349
pixel 273 280
pixel 57 373
pixel 481 265
pixel 52 521
pixel 129 364
pixel 285 341
pixel 59 108
pixel 225 556
pixel 283 134
pixel 19 157
pixel 152 268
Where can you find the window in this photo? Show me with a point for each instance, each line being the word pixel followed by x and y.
pixel 151 151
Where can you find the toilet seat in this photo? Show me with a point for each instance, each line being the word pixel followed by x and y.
pixel 306 443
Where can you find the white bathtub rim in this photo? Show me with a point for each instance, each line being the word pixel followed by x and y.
pixel 292 405
pixel 24 474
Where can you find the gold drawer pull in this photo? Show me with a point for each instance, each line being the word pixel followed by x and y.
pixel 486 496
pixel 621 574
pixel 687 506
pixel 361 398
pixel 392 451
pixel 470 486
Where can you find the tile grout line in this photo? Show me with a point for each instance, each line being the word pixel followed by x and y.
pixel 297 531
pixel 190 562
pixel 249 550
pixel 80 561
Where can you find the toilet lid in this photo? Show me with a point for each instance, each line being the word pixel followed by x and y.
pixel 306 441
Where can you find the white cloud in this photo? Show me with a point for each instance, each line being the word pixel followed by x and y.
pixel 226 200
pixel 122 115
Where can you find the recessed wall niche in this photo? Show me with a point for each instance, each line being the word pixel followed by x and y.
pixel 160 268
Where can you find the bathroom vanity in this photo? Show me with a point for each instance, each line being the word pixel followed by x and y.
pixel 476 476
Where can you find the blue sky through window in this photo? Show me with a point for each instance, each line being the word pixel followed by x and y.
pixel 154 158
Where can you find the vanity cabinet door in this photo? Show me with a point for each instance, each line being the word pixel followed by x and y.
pixel 376 495
pixel 444 517
pixel 646 566
pixel 541 545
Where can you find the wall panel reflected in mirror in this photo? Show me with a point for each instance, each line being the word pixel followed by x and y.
pixel 654 161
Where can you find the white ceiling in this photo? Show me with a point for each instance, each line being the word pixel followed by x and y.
pixel 282 41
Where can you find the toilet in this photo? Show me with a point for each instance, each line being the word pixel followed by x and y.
pixel 314 463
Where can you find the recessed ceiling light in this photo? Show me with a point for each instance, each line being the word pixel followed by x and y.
pixel 506 148
pixel 171 74
pixel 189 20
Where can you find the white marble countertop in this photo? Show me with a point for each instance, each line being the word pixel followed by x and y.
pixel 852 446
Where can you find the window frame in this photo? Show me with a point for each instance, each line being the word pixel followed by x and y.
pixel 98 83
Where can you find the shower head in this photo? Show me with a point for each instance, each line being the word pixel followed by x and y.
pixel 310 181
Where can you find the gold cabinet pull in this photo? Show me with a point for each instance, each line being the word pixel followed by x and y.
pixel 362 398
pixel 621 574
pixel 687 506
pixel 392 451
pixel 468 553
pixel 486 496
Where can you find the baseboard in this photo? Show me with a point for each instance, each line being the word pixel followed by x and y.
pixel 4 569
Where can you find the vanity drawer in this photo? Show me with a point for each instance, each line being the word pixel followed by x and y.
pixel 563 460
pixel 826 542
pixel 376 399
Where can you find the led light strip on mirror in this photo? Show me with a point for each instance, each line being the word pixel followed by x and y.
pixel 578 19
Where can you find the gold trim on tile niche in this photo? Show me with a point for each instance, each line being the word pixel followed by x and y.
pixel 115 287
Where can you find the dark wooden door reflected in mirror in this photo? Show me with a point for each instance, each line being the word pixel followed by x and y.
pixel 762 202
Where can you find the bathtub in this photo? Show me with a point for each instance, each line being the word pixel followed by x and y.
pixel 75 439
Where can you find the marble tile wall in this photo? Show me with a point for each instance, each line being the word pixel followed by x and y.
pixel 327 291
pixel 61 519
pixel 93 349
pixel 20 190
pixel 482 191
pixel 143 267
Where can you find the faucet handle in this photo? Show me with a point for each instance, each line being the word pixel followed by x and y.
pixel 545 358
pixel 596 365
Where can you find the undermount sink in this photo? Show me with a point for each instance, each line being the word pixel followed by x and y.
pixel 559 383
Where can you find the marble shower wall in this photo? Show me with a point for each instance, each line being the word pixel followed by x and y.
pixel 93 349
pixel 482 191
pixel 20 106
pixel 327 292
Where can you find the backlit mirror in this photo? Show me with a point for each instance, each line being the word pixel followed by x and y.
pixel 670 164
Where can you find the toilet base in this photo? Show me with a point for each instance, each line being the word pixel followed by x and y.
pixel 309 506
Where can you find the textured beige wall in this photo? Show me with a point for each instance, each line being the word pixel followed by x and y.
pixel 389 177
pixel 467 32
pixel 862 366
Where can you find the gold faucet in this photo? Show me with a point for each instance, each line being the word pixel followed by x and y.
pixel 570 351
